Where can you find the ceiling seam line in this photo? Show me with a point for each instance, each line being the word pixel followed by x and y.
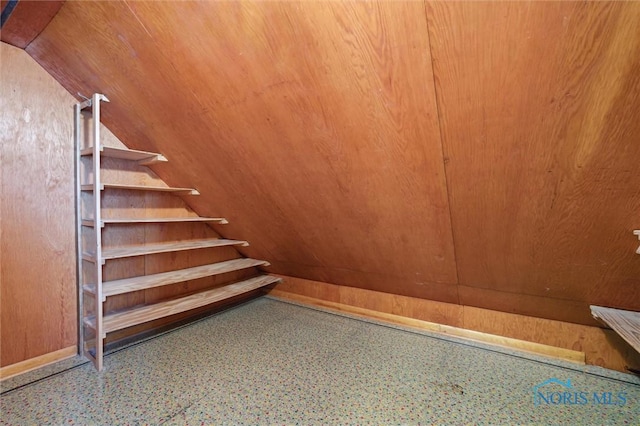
pixel 442 151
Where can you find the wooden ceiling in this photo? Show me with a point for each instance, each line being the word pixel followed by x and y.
pixel 23 20
pixel 477 153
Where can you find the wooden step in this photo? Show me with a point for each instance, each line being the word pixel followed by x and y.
pixel 127 221
pixel 143 158
pixel 166 247
pixel 625 323
pixel 131 317
pixel 189 191
pixel 112 288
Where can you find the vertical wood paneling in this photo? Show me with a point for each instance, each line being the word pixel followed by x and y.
pixel 539 106
pixel 37 237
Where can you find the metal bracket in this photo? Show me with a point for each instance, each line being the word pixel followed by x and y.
pixel 88 102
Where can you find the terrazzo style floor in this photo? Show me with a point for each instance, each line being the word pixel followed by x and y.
pixel 271 362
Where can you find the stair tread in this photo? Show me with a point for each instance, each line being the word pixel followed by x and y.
pixel 165 247
pixel 128 318
pixel 126 285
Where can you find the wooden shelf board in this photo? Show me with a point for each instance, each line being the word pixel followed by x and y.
pixel 166 247
pixel 142 157
pixel 625 323
pixel 190 191
pixel 120 320
pixel 112 288
pixel 126 221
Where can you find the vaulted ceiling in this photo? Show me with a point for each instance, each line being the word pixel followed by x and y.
pixel 476 153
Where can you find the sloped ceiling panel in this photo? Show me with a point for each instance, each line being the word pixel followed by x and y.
pixel 540 111
pixel 311 126
pixel 23 20
pixel 359 143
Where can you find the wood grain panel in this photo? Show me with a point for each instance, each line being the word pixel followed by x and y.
pixel 37 362
pixel 601 347
pixel 116 203
pixel 381 282
pixel 140 204
pixel 27 20
pixel 122 320
pixel 37 237
pixel 328 160
pixel 624 323
pixel 120 337
pixel 426 310
pixel 444 330
pixel 151 205
pixel 539 105
pixel 126 285
pixel 538 306
pixel 37 273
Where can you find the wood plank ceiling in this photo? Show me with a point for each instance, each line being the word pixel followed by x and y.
pixel 477 153
pixel 28 19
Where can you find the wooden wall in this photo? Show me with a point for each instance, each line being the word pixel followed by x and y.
pixel 277 139
pixel 540 114
pixel 37 213
pixel 474 153
pixel 38 301
pixel 598 347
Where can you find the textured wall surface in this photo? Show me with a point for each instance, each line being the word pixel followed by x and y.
pixel 474 153
pixel 38 304
pixel 37 213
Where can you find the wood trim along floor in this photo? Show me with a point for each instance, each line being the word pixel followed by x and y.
pixel 476 336
pixel 37 362
pixel 602 347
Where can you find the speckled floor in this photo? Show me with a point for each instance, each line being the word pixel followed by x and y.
pixel 271 362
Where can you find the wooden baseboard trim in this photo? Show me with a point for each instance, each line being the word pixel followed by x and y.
pixel 37 362
pixel 475 336
pixel 601 347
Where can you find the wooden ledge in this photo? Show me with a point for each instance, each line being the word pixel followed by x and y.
pixel 625 323
pixel 475 336
pixel 37 362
